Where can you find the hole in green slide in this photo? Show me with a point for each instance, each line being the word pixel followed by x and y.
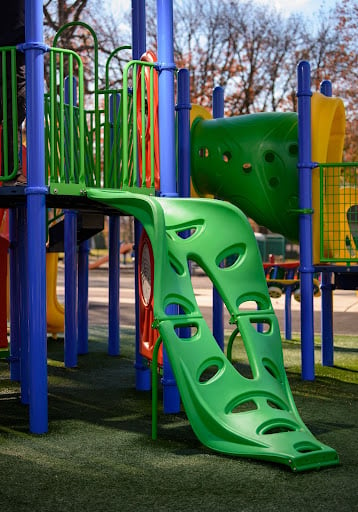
pixel 278 428
pixel 191 333
pixel 250 301
pixel 186 233
pixel 265 325
pixel 246 406
pixel 176 265
pixel 209 370
pixel 240 359
pixel 306 447
pixel 230 256
pixel 275 405
pixel 271 369
pixel 179 306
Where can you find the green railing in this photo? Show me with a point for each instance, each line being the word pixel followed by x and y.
pixel 8 113
pixel 141 131
pixel 339 212
pixel 106 138
pixel 65 127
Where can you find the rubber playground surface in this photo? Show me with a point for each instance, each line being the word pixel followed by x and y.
pixel 98 454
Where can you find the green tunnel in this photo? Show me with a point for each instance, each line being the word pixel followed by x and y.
pixel 250 161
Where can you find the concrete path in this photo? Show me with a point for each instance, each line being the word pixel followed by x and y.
pixel 345 303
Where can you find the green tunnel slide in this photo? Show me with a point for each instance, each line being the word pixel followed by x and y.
pixel 251 161
pixel 271 429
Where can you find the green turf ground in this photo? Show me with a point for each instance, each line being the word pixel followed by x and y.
pixel 99 456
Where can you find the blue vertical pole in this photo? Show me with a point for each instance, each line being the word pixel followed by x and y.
pixel 83 252
pixel 138 29
pixel 14 269
pixel 168 184
pixel 305 219
pixel 36 216
pixel 327 351
pixel 81 327
pixel 218 307
pixel 166 65
pixel 288 313
pixel 71 277
pixel 24 306
pixel 70 244
pixel 114 263
pixel 183 108
pixel 113 285
pixel 143 375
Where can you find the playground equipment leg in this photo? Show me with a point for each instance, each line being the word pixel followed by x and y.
pixel 15 373
pixel 305 218
pixel 288 313
pixel 24 306
pixel 83 251
pixel 113 286
pixel 70 243
pixel 218 305
pixel 327 319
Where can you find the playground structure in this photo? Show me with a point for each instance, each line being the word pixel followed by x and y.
pixel 106 161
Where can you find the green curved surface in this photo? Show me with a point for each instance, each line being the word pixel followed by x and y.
pixel 251 161
pixel 272 429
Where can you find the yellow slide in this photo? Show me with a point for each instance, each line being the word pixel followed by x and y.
pixel 55 310
pixel 328 130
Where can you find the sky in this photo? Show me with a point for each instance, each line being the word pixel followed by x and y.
pixel 306 7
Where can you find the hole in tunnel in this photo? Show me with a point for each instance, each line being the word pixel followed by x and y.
pixel 203 152
pixel 269 157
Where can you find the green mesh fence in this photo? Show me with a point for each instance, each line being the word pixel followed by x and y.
pixel 339 212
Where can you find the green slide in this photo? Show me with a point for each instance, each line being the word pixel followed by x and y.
pixel 253 417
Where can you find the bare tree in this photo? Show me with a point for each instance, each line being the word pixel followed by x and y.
pixel 109 33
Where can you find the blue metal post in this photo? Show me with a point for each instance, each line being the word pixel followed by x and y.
pixel 113 285
pixel 114 255
pixel 166 65
pixel 138 29
pixel 218 307
pixel 305 219
pixel 327 349
pixel 83 252
pixel 288 313
pixel 183 108
pixel 143 374
pixel 24 306
pixel 168 184
pixel 36 216
pixel 70 244
pixel 14 269
pixel 183 119
pixel 71 278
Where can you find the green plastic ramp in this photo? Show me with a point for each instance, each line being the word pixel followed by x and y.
pixel 216 407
